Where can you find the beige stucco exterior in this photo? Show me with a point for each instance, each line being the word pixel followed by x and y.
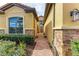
pixel 58 39
pixel 28 18
pixel 62 15
pixel 54 23
pixel 36 28
pixel 58 15
pixel 67 7
pixel 48 26
pixel 2 21
pixel 62 21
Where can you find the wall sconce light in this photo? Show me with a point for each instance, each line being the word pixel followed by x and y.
pixel 75 14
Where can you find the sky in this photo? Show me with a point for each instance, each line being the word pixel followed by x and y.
pixel 40 7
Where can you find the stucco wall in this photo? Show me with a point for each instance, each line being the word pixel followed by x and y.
pixel 58 14
pixel 48 26
pixel 36 28
pixel 49 33
pixel 28 18
pixel 67 7
pixel 2 21
pixel 67 22
pixel 62 35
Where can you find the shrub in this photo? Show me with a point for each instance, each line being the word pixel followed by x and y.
pixel 29 40
pixel 21 49
pixel 8 48
pixel 18 38
pixel 75 47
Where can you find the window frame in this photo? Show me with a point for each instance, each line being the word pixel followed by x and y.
pixel 16 25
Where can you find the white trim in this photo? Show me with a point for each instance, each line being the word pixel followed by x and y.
pixel 6 26
pixel 57 28
pixel 7 19
pixel 70 27
pixel 23 26
pixel 67 27
pixel 2 28
pixel 30 28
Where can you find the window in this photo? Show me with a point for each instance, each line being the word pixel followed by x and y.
pixel 16 25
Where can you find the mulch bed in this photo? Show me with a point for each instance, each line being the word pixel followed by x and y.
pixel 30 49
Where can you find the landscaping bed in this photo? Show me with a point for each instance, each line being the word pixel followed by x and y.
pixel 30 49
pixel 16 45
pixel 9 48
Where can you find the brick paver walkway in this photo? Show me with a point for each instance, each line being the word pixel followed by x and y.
pixel 42 47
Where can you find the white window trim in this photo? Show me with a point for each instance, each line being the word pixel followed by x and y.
pixel 7 19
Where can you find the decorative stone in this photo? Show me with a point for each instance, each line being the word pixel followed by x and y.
pixel 29 32
pixel 58 41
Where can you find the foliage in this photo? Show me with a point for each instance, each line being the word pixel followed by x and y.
pixel 18 38
pixel 8 45
pixel 75 47
pixel 8 48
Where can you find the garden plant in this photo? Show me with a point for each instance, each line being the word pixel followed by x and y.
pixel 15 45
pixel 75 47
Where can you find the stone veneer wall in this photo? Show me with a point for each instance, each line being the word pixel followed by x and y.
pixel 58 41
pixel 29 32
pixel 2 31
pixel 69 35
pixel 62 40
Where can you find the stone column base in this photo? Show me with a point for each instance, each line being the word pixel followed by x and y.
pixel 62 40
pixel 29 32
pixel 58 41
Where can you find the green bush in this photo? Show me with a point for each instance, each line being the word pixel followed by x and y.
pixel 8 48
pixel 18 38
pixel 75 47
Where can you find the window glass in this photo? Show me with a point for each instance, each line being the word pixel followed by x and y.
pixel 16 25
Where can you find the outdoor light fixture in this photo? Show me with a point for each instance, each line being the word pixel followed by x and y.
pixel 75 14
